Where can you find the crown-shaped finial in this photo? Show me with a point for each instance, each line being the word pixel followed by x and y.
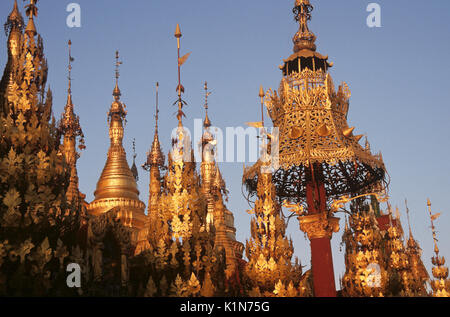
pixel 304 38
pixel 31 11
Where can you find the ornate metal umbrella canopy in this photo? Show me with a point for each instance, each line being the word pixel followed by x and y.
pixel 319 158
pixel 315 140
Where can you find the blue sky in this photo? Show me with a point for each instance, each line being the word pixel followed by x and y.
pixel 398 75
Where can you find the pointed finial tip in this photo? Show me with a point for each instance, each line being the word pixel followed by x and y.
pixel 261 92
pixel 15 12
pixel 178 31
pixel 428 202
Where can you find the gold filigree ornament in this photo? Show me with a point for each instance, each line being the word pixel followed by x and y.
pixel 319 225
pixel 340 203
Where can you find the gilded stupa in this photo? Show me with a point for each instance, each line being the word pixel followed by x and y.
pixel 117 185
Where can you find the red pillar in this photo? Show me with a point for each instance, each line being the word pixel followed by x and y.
pixel 322 268
pixel 321 254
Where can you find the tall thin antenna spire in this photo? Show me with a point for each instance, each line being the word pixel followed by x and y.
pixel 157 106
pixel 71 59
pixel 407 214
pixel 116 92
pixel 433 228
pixel 180 88
pixel 262 95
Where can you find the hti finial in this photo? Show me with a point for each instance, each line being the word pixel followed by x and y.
pixel 133 169
pixel 304 38
pixel 207 122
pixel 116 92
pixel 157 106
pixel 71 59
pixel 69 89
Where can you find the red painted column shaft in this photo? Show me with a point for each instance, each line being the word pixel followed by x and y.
pixel 321 254
pixel 322 268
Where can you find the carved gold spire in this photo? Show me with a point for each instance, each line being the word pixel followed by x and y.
pixel 417 269
pixel 155 164
pixel 69 127
pixel 15 19
pixel 117 186
pixel 13 29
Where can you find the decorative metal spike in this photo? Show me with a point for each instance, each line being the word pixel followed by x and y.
pixel 359 137
pixel 348 132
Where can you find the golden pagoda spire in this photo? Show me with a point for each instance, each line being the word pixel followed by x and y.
pixel 117 186
pixel 155 156
pixel 441 286
pixel 69 127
